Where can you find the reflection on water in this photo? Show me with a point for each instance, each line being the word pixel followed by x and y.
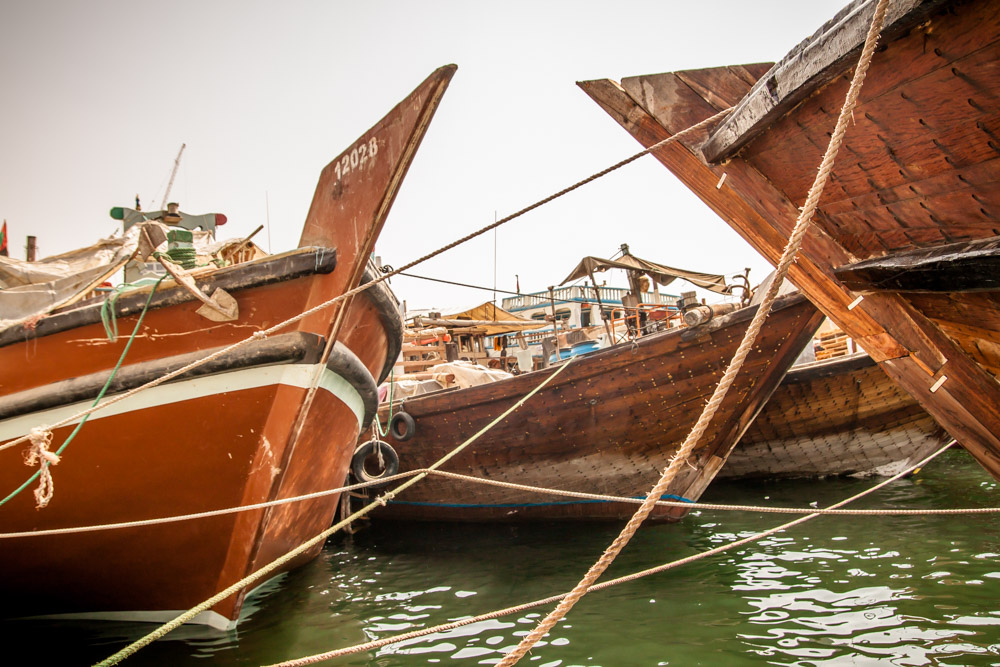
pixel 915 590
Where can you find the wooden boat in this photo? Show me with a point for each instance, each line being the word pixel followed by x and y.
pixel 607 424
pixel 235 432
pixel 834 413
pixel 835 416
pixel 902 251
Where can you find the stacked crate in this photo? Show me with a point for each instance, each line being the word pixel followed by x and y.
pixel 833 344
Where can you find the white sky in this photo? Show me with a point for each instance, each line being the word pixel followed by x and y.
pixel 98 96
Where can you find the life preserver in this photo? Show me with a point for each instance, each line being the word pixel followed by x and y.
pixel 402 427
pixel 372 448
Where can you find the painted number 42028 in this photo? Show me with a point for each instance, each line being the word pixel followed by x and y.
pixel 357 158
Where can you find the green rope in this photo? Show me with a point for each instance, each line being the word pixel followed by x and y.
pixel 183 256
pixel 104 389
pixel 378 425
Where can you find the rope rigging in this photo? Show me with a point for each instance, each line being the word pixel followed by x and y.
pixel 566 600
pixel 795 240
pixel 762 509
pixel 264 333
pixel 43 434
pixel 319 539
pixel 359 648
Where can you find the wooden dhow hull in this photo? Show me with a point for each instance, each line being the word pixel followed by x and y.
pixel 235 432
pixel 608 424
pixel 902 250
pixel 839 416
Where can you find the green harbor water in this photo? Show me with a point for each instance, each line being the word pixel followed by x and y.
pixel 839 590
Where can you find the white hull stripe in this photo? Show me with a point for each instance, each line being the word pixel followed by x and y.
pixel 210 618
pixel 294 375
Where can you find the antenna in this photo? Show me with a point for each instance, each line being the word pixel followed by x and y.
pixel 267 211
pixel 494 266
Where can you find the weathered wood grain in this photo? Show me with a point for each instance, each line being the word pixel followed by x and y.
pixel 608 424
pixel 954 267
pixel 842 416
pixel 919 169
pixel 833 48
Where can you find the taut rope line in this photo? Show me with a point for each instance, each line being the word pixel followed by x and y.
pixel 794 241
pixel 361 288
pixel 762 509
pixel 40 434
pixel 603 585
pixel 319 539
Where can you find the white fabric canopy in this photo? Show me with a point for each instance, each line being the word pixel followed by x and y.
pixel 662 274
pixel 29 289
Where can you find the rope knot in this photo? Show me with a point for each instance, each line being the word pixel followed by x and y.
pixel 41 438
pixel 31 323
pixel 260 335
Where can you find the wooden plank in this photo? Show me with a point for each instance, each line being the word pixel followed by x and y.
pixel 702 180
pixel 901 99
pixel 955 267
pixel 764 216
pixel 952 411
pixel 831 50
pixel 609 423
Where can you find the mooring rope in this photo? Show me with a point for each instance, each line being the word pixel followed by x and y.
pixel 795 240
pixel 41 436
pixel 377 431
pixel 264 333
pixel 395 639
pixel 761 509
pixel 318 539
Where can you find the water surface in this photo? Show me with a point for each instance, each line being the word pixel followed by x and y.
pixel 915 590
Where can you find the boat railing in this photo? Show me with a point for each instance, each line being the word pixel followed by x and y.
pixel 645 319
pixel 581 293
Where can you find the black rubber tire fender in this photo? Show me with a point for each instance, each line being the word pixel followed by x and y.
pixel 402 427
pixel 371 448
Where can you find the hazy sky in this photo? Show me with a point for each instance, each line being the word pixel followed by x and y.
pixel 98 96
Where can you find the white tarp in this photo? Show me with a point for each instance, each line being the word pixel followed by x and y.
pixel 29 289
pixel 467 374
pixel 461 373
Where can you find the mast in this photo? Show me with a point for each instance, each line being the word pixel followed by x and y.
pixel 173 174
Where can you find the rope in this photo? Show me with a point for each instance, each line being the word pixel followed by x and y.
pixel 108 316
pixel 48 458
pixel 762 509
pixel 359 648
pixel 795 240
pixel 710 506
pixel 264 333
pixel 378 432
pixel 39 453
pixel 487 289
pixel 319 539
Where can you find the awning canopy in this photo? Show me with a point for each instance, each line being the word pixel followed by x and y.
pixel 664 275
pixel 480 316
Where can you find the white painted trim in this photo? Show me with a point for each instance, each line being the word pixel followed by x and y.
pixel 294 375
pixel 210 618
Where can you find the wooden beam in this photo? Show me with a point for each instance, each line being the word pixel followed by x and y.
pixel 953 267
pixel 830 51
pixel 439 322
pixel 908 346
pixel 702 179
